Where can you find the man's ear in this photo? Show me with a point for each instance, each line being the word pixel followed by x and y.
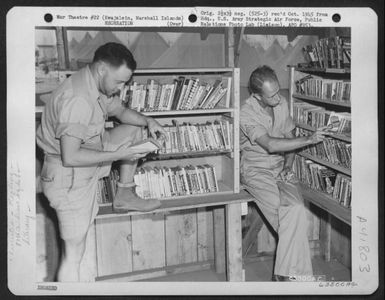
pixel 101 68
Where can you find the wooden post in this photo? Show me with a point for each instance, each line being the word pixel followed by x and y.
pixel 234 242
pixel 60 48
pixel 66 49
pixel 229 47
pixel 325 236
pixel 238 45
pixel 291 89
pixel 219 240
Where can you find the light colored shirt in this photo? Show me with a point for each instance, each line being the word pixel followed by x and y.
pixel 77 109
pixel 256 122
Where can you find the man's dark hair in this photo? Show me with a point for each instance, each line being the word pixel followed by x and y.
pixel 116 55
pixel 259 76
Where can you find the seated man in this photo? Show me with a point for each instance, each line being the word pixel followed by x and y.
pixel 267 144
pixel 79 151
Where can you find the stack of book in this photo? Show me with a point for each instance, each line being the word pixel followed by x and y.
pixel 323 179
pixel 163 182
pixel 107 187
pixel 187 137
pixel 316 116
pixel 329 89
pixel 343 190
pixel 331 150
pixel 331 52
pixel 183 94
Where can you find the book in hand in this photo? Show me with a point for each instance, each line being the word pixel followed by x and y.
pixel 147 145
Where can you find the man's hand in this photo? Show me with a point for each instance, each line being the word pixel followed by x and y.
pixel 285 173
pixel 126 153
pixel 154 127
pixel 318 136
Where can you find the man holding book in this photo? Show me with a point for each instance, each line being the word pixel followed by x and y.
pixel 267 153
pixel 79 151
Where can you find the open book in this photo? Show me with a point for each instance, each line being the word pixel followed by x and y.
pixel 147 145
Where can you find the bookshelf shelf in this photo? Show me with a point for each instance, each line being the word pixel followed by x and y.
pixel 326 163
pixel 183 203
pixel 319 100
pixel 188 112
pixel 327 203
pixel 179 155
pixel 323 70
pixel 223 190
pixel 174 71
pixel 336 136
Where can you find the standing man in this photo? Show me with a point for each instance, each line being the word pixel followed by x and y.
pixel 79 151
pixel 267 154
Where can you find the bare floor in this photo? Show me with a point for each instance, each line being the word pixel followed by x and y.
pixel 261 270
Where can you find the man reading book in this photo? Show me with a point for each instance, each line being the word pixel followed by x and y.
pixel 79 151
pixel 267 153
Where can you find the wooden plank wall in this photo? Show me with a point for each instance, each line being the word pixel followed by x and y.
pixel 148 241
pixel 181 237
pixel 130 244
pixel 114 245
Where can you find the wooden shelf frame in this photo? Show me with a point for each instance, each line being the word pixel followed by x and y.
pixel 323 70
pixel 327 203
pixel 323 101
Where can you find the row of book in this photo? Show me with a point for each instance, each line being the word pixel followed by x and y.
pixel 329 89
pixel 183 94
pixel 162 182
pixel 187 137
pixel 107 187
pixel 332 150
pixel 317 116
pixel 331 52
pixel 323 179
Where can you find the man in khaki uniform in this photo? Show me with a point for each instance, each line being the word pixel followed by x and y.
pixel 79 151
pixel 267 156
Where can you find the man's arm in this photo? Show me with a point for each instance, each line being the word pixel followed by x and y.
pixel 274 145
pixel 73 155
pixel 289 156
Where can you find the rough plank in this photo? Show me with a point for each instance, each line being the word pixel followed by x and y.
pixel 341 242
pixel 114 247
pixel 214 199
pixel 325 236
pixel 234 242
pixel 205 234
pixel 158 272
pixel 219 240
pixel 181 237
pixel 148 241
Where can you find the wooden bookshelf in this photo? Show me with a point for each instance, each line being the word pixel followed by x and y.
pixel 326 163
pixel 333 135
pixel 320 199
pixel 323 101
pixel 327 203
pixel 226 162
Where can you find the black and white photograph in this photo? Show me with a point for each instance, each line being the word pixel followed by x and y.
pixel 207 149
